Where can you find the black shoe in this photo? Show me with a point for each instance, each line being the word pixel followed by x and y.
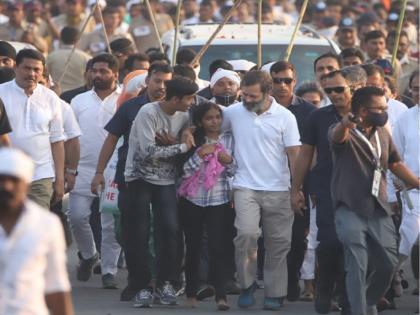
pixel 128 294
pixel 293 292
pixel 322 304
pixel 85 268
pixel 205 292
pixel 232 288
pixel 97 270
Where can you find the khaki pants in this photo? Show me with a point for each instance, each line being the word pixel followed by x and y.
pixel 273 207
pixel 41 192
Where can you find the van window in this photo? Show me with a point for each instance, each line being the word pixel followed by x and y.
pixel 302 57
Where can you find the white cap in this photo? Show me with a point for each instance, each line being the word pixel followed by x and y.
pixel 267 67
pixel 14 162
pixel 222 73
pixel 242 64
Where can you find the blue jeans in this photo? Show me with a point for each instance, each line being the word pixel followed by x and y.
pixel 140 196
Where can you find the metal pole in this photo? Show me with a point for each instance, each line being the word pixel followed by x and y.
pixel 297 26
pixel 218 29
pixel 153 20
pixel 66 65
pixel 174 49
pixel 108 47
pixel 259 48
pixel 397 39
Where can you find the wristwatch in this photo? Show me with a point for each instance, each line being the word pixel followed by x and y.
pixel 71 171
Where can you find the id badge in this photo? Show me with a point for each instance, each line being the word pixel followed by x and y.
pixel 376 183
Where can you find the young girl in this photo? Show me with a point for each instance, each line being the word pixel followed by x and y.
pixel 205 197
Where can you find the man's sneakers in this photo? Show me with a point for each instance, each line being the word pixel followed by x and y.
pixel 246 298
pixel 109 281
pixel 166 295
pixel 84 270
pixel 273 304
pixel 143 299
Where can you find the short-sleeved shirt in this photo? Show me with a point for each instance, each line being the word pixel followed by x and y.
pixel 301 109
pixel 354 165
pixel 37 122
pixel 120 125
pixel 69 95
pixel 316 135
pixel 4 120
pixel 260 145
pixel 32 262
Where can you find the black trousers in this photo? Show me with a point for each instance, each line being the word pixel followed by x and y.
pixel 331 273
pixel 134 204
pixel 193 221
pixel 296 255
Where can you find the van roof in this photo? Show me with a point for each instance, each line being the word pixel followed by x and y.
pixel 198 34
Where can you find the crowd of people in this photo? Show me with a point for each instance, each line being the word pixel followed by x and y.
pixel 250 180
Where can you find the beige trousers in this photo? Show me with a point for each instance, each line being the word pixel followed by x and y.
pixel 274 210
pixel 41 192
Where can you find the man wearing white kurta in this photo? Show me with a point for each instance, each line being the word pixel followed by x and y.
pixel 406 136
pixel 93 110
pixel 33 273
pixel 266 143
pixel 34 113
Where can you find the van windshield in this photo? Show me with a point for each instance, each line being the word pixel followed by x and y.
pixel 302 57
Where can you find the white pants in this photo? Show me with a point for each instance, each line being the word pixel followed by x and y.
pixel 308 267
pixel 410 225
pixel 79 214
pixel 110 249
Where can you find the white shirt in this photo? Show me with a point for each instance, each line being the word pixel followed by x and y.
pixel 395 109
pixel 36 121
pixel 32 262
pixel 71 127
pixel 260 145
pixel 406 136
pixel 92 114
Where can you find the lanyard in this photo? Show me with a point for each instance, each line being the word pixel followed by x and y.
pixel 377 153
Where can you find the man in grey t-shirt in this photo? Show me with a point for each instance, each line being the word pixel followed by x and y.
pixel 150 177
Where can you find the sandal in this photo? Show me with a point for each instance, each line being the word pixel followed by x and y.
pixel 307 297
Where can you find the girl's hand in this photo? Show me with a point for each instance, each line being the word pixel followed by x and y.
pixel 224 158
pixel 206 149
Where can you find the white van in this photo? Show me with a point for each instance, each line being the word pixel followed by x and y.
pixel 239 41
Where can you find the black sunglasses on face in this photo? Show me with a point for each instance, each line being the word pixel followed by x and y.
pixel 287 81
pixel 336 89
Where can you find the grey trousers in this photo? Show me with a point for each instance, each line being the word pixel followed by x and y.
pixel 277 219
pixel 366 242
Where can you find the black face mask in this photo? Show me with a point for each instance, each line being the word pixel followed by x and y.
pixel 225 100
pixel 378 119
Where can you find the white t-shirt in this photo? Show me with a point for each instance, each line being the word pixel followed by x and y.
pixel 395 109
pixel 260 145
pixel 406 136
pixel 36 122
pixel 71 127
pixel 32 262
pixel 92 114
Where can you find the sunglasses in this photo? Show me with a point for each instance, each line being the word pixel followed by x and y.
pixel 336 89
pixel 287 81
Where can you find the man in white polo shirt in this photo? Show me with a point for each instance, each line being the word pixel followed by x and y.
pixel 93 110
pixel 33 274
pixel 34 113
pixel 266 145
